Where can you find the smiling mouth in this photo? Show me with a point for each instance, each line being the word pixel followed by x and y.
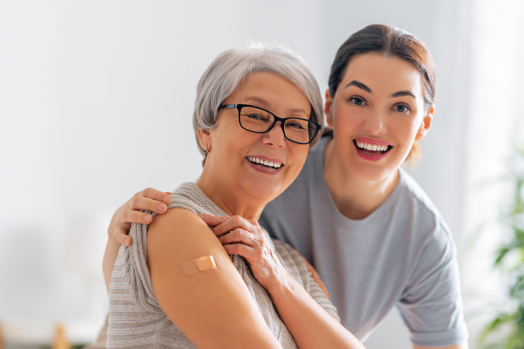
pixel 371 149
pixel 265 163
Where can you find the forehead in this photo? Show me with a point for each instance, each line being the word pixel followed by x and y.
pixel 277 92
pixel 383 74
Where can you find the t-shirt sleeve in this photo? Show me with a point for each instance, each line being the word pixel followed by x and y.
pixel 431 304
pixel 297 268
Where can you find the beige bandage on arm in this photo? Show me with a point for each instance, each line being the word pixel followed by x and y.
pixel 203 264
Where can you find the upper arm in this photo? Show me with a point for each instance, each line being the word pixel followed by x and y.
pixel 214 309
pixel 431 305
pixel 297 268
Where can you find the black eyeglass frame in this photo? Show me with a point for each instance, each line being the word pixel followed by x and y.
pixel 282 120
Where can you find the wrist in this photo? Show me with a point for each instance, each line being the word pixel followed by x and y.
pixel 282 284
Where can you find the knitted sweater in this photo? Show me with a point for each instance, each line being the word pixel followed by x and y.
pixel 136 319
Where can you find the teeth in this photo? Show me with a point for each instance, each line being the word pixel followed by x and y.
pixel 372 147
pixel 264 162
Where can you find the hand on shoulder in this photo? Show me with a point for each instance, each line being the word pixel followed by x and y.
pixel 146 200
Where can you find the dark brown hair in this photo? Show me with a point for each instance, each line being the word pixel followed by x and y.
pixel 390 42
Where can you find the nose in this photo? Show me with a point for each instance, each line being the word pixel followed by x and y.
pixel 275 136
pixel 376 123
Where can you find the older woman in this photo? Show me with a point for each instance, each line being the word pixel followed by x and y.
pixel 257 112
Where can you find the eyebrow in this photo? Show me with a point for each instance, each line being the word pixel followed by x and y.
pixel 368 90
pixel 268 106
pixel 359 85
pixel 403 93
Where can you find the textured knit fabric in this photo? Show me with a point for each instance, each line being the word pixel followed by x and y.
pixel 401 255
pixel 135 317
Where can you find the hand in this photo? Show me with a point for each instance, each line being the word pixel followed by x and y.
pixel 147 200
pixel 316 277
pixel 246 238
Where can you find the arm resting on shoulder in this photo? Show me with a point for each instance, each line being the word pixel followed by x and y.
pixel 214 309
pixel 463 345
pixel 110 256
pixel 308 322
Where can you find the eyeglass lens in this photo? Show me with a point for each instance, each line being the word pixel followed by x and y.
pixel 257 120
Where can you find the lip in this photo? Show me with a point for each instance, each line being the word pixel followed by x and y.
pixel 265 169
pixel 371 141
pixel 268 159
pixel 370 157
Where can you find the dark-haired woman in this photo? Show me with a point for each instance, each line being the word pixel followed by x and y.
pixel 369 230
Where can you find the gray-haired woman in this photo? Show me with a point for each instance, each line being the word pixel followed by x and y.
pixel 258 110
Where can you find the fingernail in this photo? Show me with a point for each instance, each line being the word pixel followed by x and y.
pixel 160 207
pixel 126 242
pixel 145 218
pixel 166 199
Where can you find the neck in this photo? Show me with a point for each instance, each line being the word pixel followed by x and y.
pixel 355 198
pixel 238 204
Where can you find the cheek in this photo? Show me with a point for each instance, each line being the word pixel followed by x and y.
pixel 298 155
pixel 405 131
pixel 228 142
pixel 346 120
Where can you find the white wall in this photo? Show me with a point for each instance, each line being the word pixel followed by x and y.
pixel 96 99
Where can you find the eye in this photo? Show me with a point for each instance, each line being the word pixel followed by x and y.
pixel 401 108
pixel 357 101
pixel 257 116
pixel 297 124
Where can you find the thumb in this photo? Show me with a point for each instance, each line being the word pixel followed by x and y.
pixel 213 220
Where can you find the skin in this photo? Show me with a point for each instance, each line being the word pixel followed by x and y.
pixel 218 303
pixel 359 186
pixel 374 109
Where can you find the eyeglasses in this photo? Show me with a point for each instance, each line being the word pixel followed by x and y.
pixel 258 120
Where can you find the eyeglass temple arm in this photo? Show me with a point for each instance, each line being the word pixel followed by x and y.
pixel 227 106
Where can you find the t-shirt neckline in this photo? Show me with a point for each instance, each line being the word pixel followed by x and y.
pixel 318 163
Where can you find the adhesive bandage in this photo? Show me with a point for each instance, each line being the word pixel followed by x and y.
pixel 203 264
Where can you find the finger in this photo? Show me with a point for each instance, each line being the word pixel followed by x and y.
pixel 232 224
pixel 240 249
pixel 130 216
pixel 312 270
pixel 237 236
pixel 316 277
pixel 309 266
pixel 213 220
pixel 156 195
pixel 147 204
pixel 123 238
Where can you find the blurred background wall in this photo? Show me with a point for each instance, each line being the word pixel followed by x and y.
pixel 96 100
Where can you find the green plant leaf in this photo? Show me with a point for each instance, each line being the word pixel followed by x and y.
pixel 501 253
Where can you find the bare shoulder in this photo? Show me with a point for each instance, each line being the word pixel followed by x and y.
pixel 208 307
pixel 180 235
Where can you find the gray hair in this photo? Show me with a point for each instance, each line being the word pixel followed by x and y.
pixel 231 67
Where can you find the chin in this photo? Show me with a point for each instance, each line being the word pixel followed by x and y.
pixel 262 191
pixel 371 173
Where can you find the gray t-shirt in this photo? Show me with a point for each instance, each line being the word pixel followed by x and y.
pixel 402 254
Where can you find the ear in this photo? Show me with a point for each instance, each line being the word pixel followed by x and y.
pixel 204 138
pixel 328 107
pixel 425 125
